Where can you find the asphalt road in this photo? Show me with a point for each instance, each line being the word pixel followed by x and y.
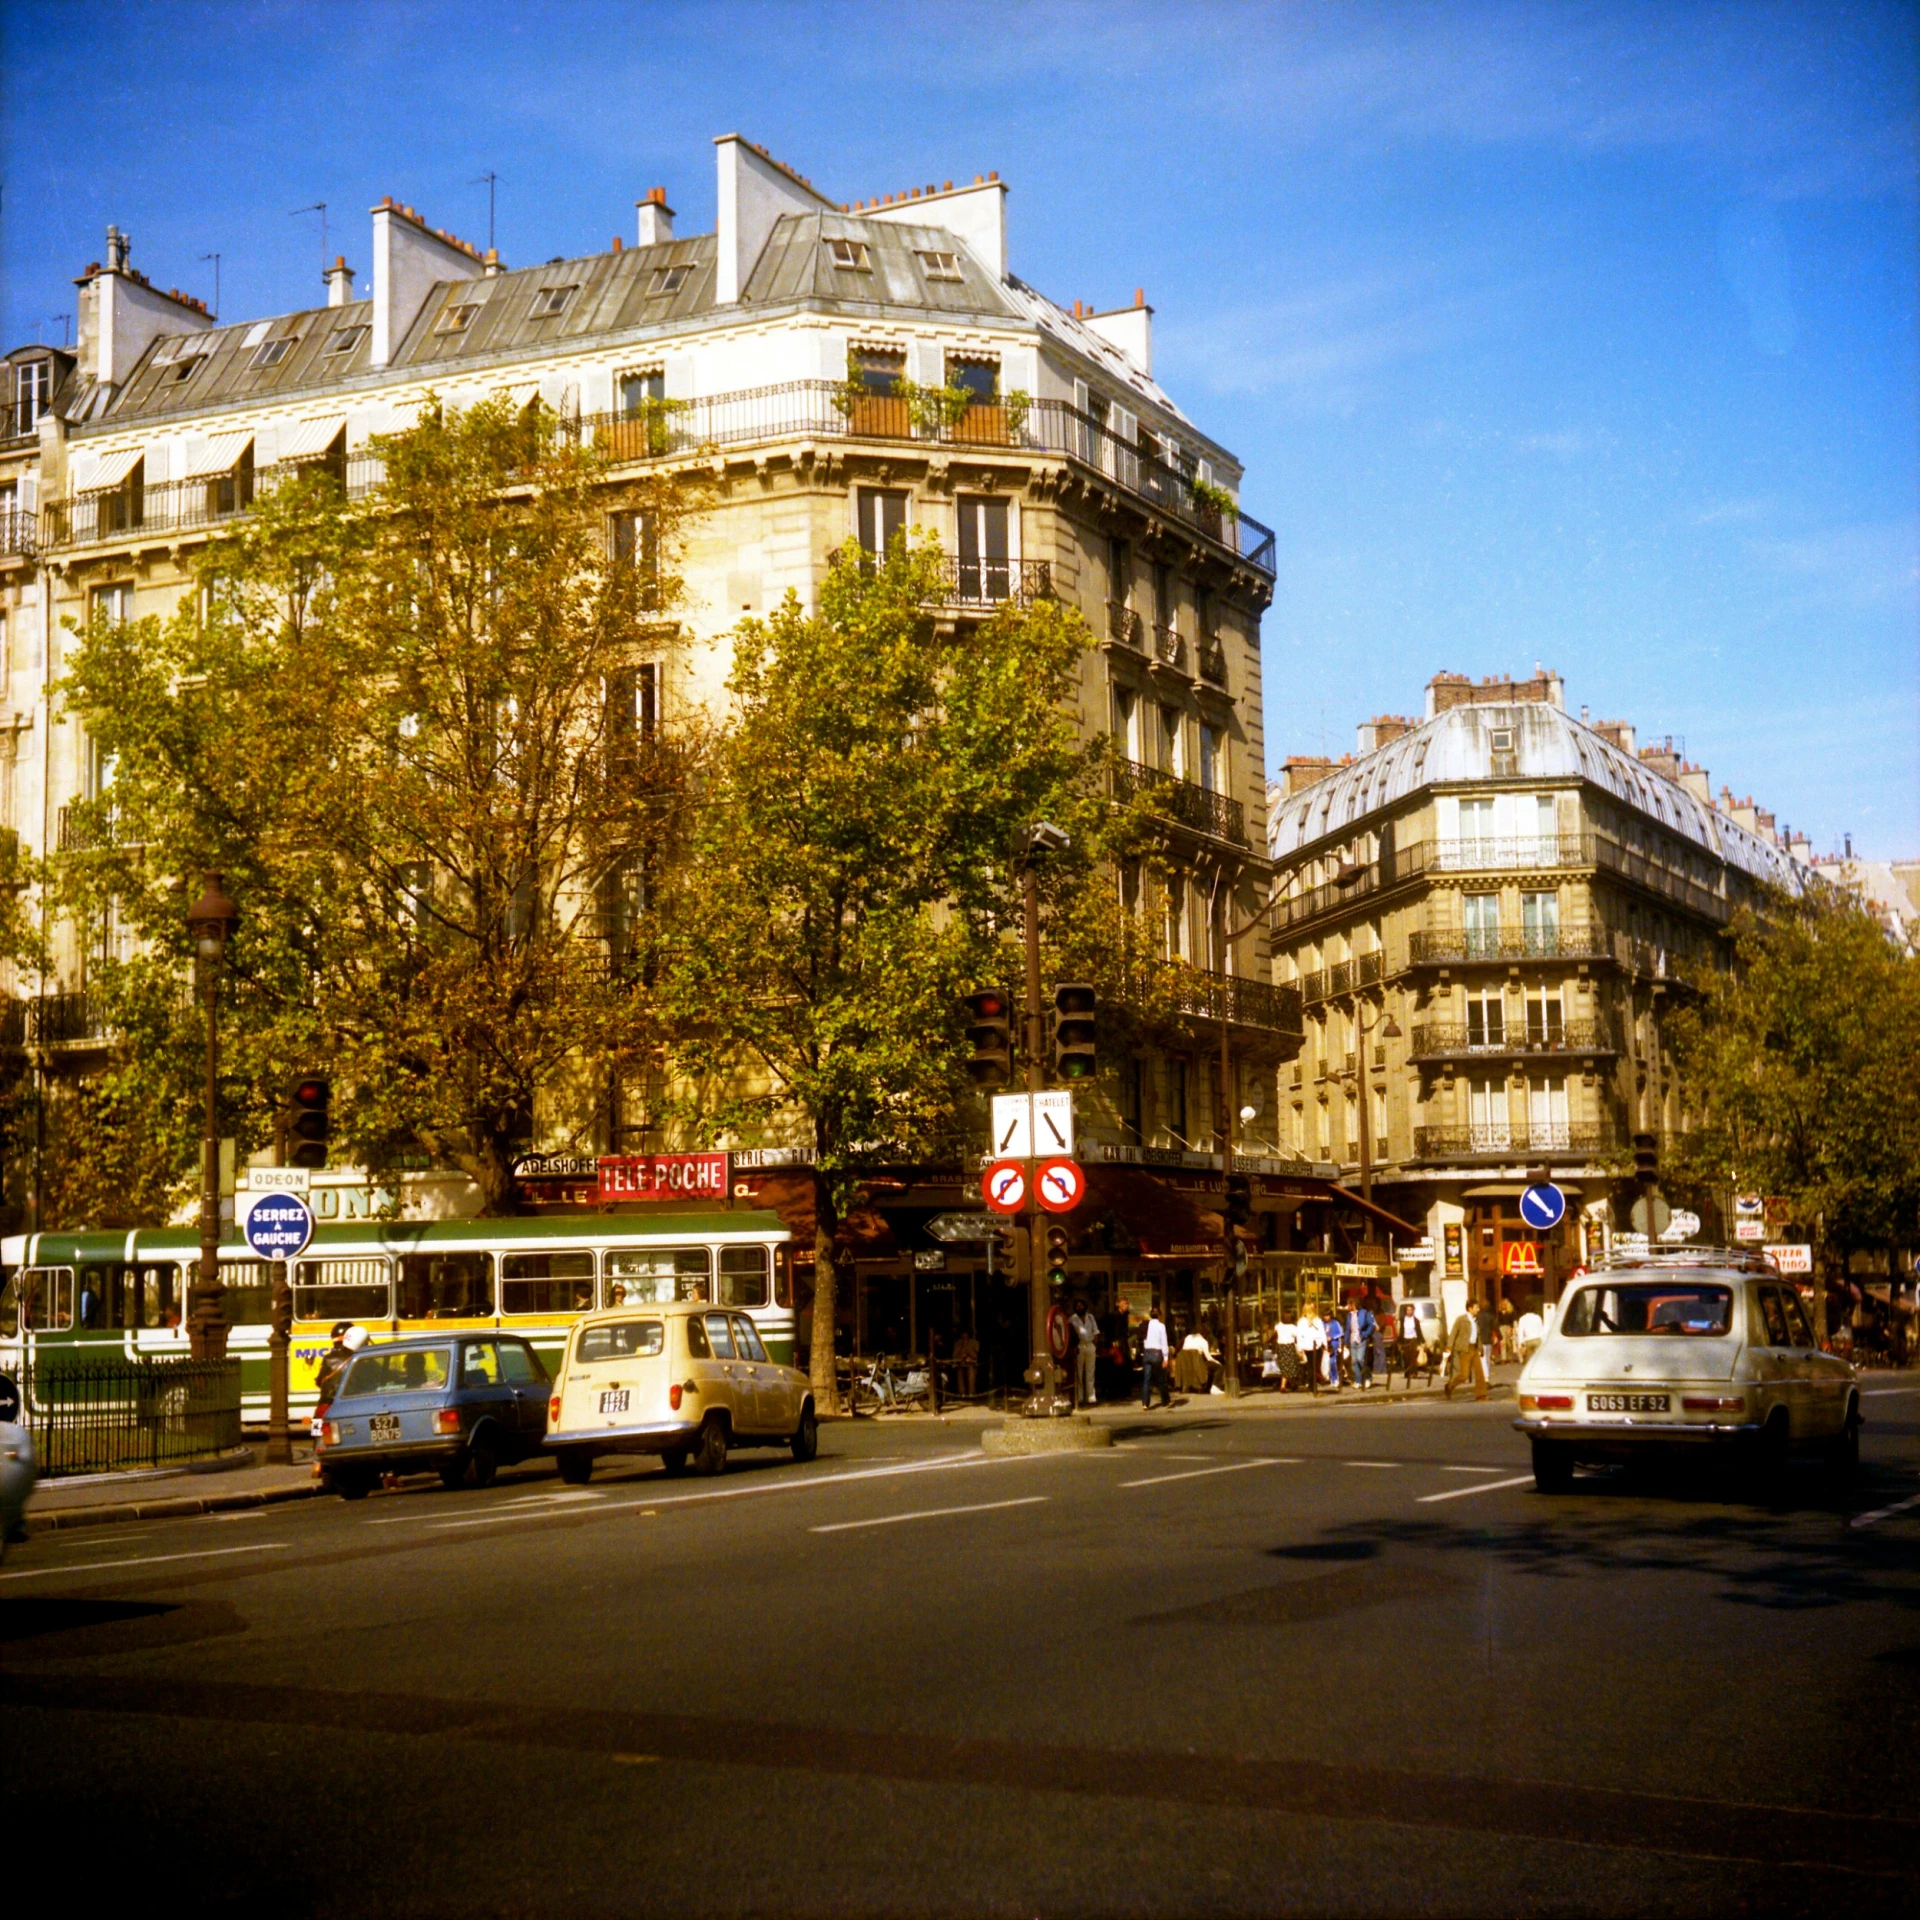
pixel 1333 1661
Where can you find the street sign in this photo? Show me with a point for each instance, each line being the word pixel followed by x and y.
pixel 1053 1123
pixel 962 1226
pixel 1030 1125
pixel 1005 1186
pixel 1059 1185
pixel 276 1180
pixel 1630 1242
pixel 278 1226
pixel 1543 1207
pixel 1792 1257
pixel 1749 1229
pixel 1749 1206
pixel 1681 1225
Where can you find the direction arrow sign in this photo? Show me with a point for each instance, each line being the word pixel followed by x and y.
pixel 278 1226
pixel 961 1226
pixel 1030 1124
pixel 1053 1122
pixel 1005 1186
pixel 1059 1185
pixel 1543 1207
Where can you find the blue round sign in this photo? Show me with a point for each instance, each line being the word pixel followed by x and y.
pixel 279 1225
pixel 1543 1206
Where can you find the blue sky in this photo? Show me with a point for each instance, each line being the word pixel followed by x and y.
pixel 1578 334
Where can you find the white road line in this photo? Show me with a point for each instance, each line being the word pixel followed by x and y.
pixel 1488 1486
pixel 930 1513
pixel 1884 1513
pixel 1200 1473
pixel 1469 1469
pixel 1887 1393
pixel 146 1560
pixel 1369 1463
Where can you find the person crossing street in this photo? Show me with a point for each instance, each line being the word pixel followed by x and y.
pixel 1086 1351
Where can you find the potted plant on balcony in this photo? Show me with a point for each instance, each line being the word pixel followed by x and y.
pixel 1213 504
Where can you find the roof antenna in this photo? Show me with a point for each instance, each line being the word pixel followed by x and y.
pixel 319 207
pixel 488 181
pixel 215 258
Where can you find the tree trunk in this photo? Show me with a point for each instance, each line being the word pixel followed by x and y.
pixel 826 1301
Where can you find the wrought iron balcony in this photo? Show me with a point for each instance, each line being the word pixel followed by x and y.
pixel 19 537
pixel 991 583
pixel 1124 625
pixel 1197 808
pixel 1527 852
pixel 1442 1041
pixel 1509 1142
pixel 1455 947
pixel 1241 1002
pixel 1168 647
pixel 67 1019
pixel 1213 660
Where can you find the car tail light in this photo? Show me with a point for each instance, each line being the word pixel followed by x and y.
pixel 673 1396
pixel 1546 1403
pixel 329 1434
pixel 1714 1403
pixel 447 1420
pixel 553 1411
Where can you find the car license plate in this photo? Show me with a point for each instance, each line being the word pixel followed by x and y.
pixel 1627 1402
pixel 384 1426
pixel 615 1401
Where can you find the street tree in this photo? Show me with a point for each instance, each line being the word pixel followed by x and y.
pixel 1797 1058
pixel 419 732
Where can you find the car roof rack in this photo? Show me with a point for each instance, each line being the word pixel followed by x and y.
pixel 1740 1259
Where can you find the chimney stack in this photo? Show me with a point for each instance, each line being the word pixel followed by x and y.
pixel 656 218
pixel 339 278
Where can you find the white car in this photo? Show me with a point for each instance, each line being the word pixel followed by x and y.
pixel 18 1468
pixel 1702 1347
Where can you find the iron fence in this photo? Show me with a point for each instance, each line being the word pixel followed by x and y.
pixel 93 1415
pixel 1172 798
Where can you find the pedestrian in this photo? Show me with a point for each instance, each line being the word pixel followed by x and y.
pixel 1380 1360
pixel 1506 1320
pixel 1086 1352
pixel 1311 1338
pixel 1336 1339
pixel 1486 1329
pixel 966 1364
pixel 1409 1340
pixel 933 1368
pixel 1463 1356
pixel 1153 1361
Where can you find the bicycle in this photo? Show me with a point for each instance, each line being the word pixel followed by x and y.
pixel 880 1386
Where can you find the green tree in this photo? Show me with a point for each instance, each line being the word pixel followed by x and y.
pixel 849 878
pixel 1799 1061
pixel 414 731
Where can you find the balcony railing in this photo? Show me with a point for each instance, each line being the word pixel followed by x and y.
pixel 1441 1041
pixel 1454 947
pixel 1242 1003
pixel 991 583
pixel 1180 801
pixel 64 1019
pixel 1168 648
pixel 1526 851
pixel 1501 1142
pixel 1659 878
pixel 19 537
pixel 824 410
pixel 185 505
pixel 1213 660
pixel 1124 625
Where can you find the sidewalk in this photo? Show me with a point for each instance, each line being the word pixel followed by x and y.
pixel 224 1485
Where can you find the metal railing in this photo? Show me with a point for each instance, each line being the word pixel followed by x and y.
pixel 1168 648
pixel 1213 660
pixel 1505 853
pixel 1443 1039
pixel 1124 625
pixel 64 1019
pixel 1181 801
pixel 187 505
pixel 991 583
pixel 98 1415
pixel 1467 1143
pixel 1453 946
pixel 1244 1003
pixel 19 536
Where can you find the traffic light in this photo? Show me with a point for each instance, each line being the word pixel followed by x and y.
pixel 1646 1156
pixel 309 1124
pixel 1074 1007
pixel 990 1031
pixel 1056 1256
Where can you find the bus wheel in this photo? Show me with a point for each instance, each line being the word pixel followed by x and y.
pixel 482 1459
pixel 806 1436
pixel 576 1466
pixel 711 1457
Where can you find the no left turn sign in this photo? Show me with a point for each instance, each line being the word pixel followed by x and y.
pixel 1060 1186
pixel 1004 1186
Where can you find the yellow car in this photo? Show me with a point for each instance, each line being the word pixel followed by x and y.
pixel 682 1379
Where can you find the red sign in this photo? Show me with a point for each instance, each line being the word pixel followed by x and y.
pixel 1520 1256
pixel 1059 1185
pixel 663 1176
pixel 1004 1185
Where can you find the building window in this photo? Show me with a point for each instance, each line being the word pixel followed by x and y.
pixel 1177 1073
pixel 633 705
pixel 636 544
pixel 670 279
pixel 640 390
pixel 232 492
pixel 271 352
pixel 344 340
pixel 850 254
pixel 1540 921
pixel 979 377
pixel 1119 571
pixel 1162 594
pixel 1176 917
pixel 1212 759
pixel 32 393
pixel 1547 1113
pixel 1487 1114
pixel 1546 1017
pixel 1382 1138
pixel 552 300
pixel 112 603
pixel 1172 760
pixel 1486 1019
pixel 456 319
pixel 1134 1101
pixel 1126 720
pixel 1476 830
pixel 880 515
pixel 984 568
pixel 1480 922
pixel 878 369
pixel 940 266
pixel 184 369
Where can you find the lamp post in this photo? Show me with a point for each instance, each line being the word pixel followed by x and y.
pixel 211 922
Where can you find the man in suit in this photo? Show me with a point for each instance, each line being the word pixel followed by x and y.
pixel 1463 1355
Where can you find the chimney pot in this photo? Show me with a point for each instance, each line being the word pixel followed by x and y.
pixel 948 188
pixel 1139 296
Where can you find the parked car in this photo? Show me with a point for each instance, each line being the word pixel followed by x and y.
pixel 461 1404
pixel 686 1380
pixel 18 1468
pixel 1702 1347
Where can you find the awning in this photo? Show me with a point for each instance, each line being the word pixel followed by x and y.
pixel 221 454
pixel 1159 1217
pixel 1349 1198
pixel 1513 1189
pixel 309 439
pixel 521 394
pixel 112 468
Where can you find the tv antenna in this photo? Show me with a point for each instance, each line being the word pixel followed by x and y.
pixel 215 258
pixel 319 207
pixel 489 181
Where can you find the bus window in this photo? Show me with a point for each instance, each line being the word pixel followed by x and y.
pixel 546 1282
pixel 743 1276
pixel 649 1276
pixel 46 1298
pixel 782 1279
pixel 158 1302
pixel 10 1306
pixel 446 1286
pixel 247 1287
pixel 341 1290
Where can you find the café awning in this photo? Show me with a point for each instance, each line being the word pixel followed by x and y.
pixel 221 454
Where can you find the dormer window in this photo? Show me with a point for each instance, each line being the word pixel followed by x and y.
pixel 850 255
pixel 344 340
pixel 456 319
pixel 552 300
pixel 670 279
pixel 1502 739
pixel 940 266
pixel 272 352
pixel 183 370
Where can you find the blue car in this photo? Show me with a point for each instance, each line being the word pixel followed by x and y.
pixel 461 1404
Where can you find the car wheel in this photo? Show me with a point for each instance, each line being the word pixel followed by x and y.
pixel 1552 1466
pixel 1767 1464
pixel 710 1458
pixel 350 1483
pixel 453 1473
pixel 673 1461
pixel 1844 1459
pixel 483 1460
pixel 806 1436
pixel 576 1466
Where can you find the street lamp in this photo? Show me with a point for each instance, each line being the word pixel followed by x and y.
pixel 211 922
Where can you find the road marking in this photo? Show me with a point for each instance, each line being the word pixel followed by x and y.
pixel 1200 1473
pixel 1887 1393
pixel 930 1513
pixel 1884 1513
pixel 246 1513
pixel 1369 1463
pixel 147 1560
pixel 634 1759
pixel 1470 1469
pixel 1486 1486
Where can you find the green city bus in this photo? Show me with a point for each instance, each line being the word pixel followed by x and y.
pixel 125 1293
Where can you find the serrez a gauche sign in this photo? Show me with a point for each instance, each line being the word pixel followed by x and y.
pixel 663 1176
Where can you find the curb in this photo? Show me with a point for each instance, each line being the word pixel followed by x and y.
pixel 179 1507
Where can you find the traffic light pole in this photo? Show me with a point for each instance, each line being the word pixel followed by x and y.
pixel 1041 1373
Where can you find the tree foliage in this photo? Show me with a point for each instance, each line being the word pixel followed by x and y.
pixel 406 729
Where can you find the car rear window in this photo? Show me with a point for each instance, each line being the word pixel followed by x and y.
pixel 622 1339
pixel 1650 1306
pixel 417 1370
